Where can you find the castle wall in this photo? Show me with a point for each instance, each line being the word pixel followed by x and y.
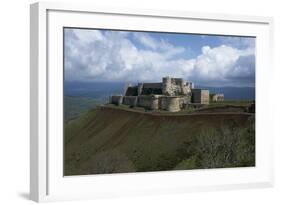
pixel 148 102
pixel 117 99
pixel 205 97
pixel 155 103
pixel 200 96
pixel 196 96
pixel 130 100
pixel 144 101
pixel 170 103
pixel 183 102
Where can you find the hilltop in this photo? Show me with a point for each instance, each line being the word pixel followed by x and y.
pixel 110 140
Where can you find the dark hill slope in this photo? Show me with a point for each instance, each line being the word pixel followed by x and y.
pixel 108 140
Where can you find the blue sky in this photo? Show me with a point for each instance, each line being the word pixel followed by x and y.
pixel 123 56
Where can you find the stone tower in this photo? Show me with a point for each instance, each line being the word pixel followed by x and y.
pixel 166 86
pixel 140 87
pixel 183 87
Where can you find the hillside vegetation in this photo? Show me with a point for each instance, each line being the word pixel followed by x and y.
pixel 75 106
pixel 108 140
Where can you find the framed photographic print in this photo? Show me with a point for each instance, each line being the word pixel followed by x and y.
pixel 127 102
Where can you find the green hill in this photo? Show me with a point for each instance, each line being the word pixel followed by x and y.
pixel 75 106
pixel 112 140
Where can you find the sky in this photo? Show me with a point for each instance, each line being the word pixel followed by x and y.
pixel 92 55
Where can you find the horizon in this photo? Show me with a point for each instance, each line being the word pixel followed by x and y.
pixel 135 83
pixel 103 89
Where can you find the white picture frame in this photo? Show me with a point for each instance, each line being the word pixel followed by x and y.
pixel 47 182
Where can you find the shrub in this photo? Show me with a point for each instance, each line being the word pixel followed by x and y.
pixel 227 146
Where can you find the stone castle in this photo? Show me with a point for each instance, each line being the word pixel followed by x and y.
pixel 172 94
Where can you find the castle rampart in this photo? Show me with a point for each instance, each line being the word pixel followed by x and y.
pixel 149 102
pixel 130 100
pixel 172 94
pixel 200 96
pixel 117 99
pixel 170 103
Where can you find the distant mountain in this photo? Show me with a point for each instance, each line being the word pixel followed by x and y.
pixel 79 97
pixel 93 89
pixel 101 90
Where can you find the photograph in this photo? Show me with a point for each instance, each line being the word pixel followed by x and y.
pixel 146 101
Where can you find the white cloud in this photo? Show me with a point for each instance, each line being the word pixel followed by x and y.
pixel 88 36
pixel 162 46
pixel 220 64
pixel 146 40
pixel 112 56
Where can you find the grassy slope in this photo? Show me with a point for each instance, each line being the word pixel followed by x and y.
pixel 111 140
